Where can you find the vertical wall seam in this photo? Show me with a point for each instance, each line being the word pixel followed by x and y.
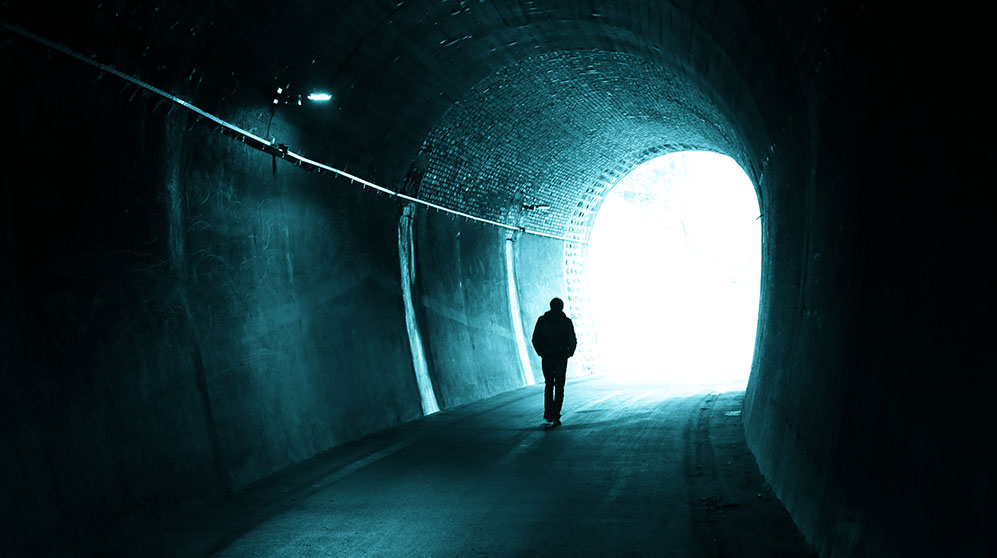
pixel 406 260
pixel 514 310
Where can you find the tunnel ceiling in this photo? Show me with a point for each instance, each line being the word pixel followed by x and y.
pixel 559 129
pixel 507 102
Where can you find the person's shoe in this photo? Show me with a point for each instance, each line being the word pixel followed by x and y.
pixel 557 422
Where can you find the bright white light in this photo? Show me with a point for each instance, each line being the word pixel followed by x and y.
pixel 319 97
pixel 674 271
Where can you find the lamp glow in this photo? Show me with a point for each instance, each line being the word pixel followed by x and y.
pixel 319 97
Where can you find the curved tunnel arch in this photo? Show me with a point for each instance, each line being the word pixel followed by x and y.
pixel 560 129
pixel 550 128
pixel 502 37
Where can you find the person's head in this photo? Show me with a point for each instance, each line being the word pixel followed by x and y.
pixel 556 304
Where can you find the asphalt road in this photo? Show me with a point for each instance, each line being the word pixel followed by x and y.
pixel 634 470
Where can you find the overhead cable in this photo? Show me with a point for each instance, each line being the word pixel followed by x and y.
pixel 271 147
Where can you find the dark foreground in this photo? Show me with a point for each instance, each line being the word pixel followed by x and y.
pixel 633 471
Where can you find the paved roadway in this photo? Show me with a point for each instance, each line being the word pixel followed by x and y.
pixel 635 470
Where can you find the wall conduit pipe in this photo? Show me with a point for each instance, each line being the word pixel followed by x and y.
pixel 406 259
pixel 517 323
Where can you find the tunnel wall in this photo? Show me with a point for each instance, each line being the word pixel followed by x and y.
pixel 181 315
pixel 864 409
pixel 464 309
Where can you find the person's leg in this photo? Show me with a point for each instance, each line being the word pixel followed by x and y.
pixel 549 380
pixel 558 380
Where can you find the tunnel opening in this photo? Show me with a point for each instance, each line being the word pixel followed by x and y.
pixel 674 269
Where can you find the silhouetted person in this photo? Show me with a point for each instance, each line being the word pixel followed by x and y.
pixel 554 340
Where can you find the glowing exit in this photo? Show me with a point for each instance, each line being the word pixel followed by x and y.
pixel 674 271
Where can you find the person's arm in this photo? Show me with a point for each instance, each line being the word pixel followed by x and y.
pixel 538 336
pixel 573 341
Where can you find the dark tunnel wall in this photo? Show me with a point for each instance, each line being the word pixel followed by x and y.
pixel 869 346
pixel 172 308
pixel 181 317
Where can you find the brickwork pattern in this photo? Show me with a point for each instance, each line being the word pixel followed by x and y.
pixel 560 129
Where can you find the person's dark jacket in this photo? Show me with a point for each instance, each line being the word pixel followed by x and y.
pixel 554 335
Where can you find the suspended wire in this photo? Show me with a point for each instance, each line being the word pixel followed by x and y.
pixel 273 148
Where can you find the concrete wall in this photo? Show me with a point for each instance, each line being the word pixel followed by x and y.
pixel 180 318
pixel 464 309
pixel 863 408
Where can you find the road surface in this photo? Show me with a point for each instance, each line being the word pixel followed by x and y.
pixel 634 470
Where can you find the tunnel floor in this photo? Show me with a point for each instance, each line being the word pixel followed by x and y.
pixel 633 471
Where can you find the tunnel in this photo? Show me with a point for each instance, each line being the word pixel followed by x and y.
pixel 209 278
